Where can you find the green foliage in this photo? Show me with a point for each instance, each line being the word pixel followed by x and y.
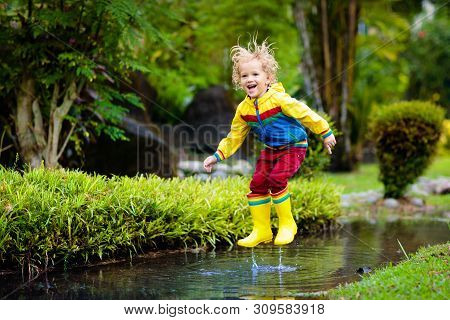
pixel 91 43
pixel 69 215
pixel 317 157
pixel 444 142
pixel 405 135
pixel 429 61
pixel 363 179
pixel 424 276
pixel 200 35
pixel 381 72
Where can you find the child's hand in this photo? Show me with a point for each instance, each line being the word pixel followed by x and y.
pixel 209 163
pixel 329 142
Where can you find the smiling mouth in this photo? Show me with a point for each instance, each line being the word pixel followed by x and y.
pixel 251 86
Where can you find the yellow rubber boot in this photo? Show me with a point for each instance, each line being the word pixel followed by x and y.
pixel 287 228
pixel 260 210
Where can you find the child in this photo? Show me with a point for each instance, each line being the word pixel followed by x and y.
pixel 277 120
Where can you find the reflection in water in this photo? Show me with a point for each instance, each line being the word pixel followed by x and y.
pixel 304 267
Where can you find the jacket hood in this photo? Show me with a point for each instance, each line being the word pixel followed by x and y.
pixel 277 87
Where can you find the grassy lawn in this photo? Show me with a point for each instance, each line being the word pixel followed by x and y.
pixel 426 275
pixel 366 177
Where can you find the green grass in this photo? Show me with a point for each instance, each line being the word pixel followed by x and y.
pixel 426 275
pixel 440 201
pixel 366 177
pixel 440 167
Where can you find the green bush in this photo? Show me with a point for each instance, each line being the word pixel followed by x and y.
pixel 405 136
pixel 50 216
pixel 317 158
pixel 444 141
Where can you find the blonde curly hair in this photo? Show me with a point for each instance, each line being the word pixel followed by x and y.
pixel 263 52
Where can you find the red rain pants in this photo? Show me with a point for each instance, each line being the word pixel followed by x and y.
pixel 274 168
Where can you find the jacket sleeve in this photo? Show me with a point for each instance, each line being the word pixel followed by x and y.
pixel 300 111
pixel 229 145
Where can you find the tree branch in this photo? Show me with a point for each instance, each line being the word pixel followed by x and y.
pixel 38 129
pixel 69 97
pixel 30 9
pixel 326 53
pixel 53 106
pixel 55 95
pixel 66 141
pixel 307 63
pixel 57 119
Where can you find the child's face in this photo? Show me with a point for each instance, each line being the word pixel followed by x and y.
pixel 253 78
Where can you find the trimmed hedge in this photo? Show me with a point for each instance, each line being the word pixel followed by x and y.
pixel 51 215
pixel 405 135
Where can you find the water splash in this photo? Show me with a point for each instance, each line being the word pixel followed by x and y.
pixel 279 257
pixel 267 268
pixel 254 264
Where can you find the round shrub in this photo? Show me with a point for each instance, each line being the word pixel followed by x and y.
pixel 317 158
pixel 405 136
pixel 444 142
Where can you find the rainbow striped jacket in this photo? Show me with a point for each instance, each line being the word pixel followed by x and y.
pixel 276 119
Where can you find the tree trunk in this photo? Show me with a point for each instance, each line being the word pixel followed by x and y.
pixel 53 151
pixel 307 65
pixel 343 156
pixel 35 144
pixel 333 63
pixel 327 81
pixel 29 148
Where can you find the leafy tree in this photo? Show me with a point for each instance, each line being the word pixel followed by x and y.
pixel 199 37
pixel 328 30
pixel 429 60
pixel 396 56
pixel 51 52
pixel 381 69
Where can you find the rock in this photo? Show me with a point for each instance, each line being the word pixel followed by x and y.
pixel 426 186
pixel 418 190
pixel 346 197
pixel 242 167
pixel 423 179
pixel 201 176
pixel 392 218
pixel 145 152
pixel 364 269
pixel 207 120
pixel 368 197
pixel 417 202
pixel 222 167
pixel 391 203
pixel 346 201
pixel 180 174
pixel 373 196
pixel 219 174
pixel 443 187
pixel 191 166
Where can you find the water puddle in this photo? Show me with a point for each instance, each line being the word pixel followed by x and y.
pixel 302 269
pixel 268 268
